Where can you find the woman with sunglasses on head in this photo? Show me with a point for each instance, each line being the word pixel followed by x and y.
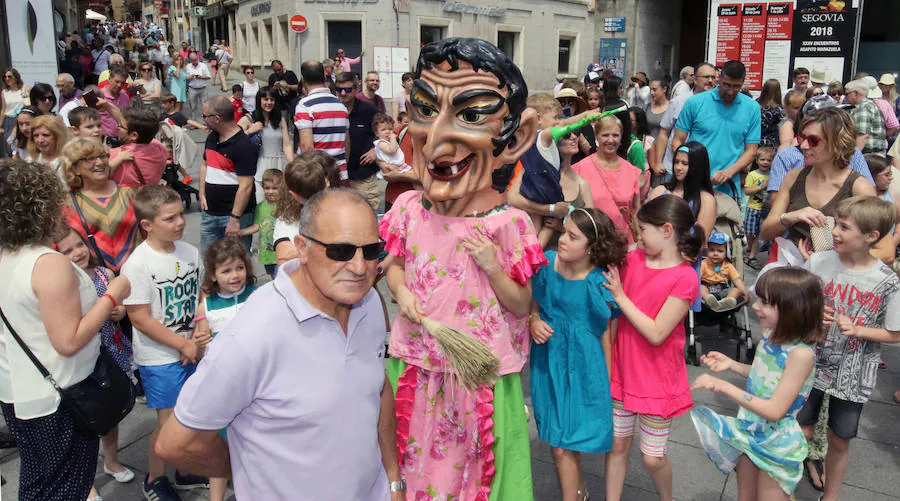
pixel 15 96
pixel 807 196
pixel 42 96
pixel 149 88
pixel 249 89
pixel 21 133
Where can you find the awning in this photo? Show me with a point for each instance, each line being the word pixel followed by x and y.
pixel 94 16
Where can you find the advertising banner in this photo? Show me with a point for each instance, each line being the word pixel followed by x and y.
pixel 773 37
pixel 728 44
pixel 32 40
pixel 823 38
pixel 612 55
pixel 753 43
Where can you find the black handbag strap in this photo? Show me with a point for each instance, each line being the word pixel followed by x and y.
pixel 37 363
pixel 87 229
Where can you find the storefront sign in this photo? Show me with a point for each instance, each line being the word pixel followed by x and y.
pixel 260 9
pixel 753 42
pixel 298 23
pixel 479 10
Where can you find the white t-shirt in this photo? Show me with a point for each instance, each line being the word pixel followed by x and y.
pixel 170 284
pixel 285 231
pixel 248 95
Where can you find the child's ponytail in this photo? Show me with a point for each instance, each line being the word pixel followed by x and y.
pixel 691 242
pixel 675 211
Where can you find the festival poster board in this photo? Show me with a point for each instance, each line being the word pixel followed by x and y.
pixel 753 42
pixel 823 38
pixel 728 44
pixel 32 40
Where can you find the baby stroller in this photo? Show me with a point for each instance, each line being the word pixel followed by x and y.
pixel 733 323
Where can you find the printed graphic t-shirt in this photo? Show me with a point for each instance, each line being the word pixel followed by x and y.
pixel 846 367
pixel 170 284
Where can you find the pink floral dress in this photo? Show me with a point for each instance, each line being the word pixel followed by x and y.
pixel 444 432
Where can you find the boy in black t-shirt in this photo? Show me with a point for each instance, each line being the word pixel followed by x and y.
pixel 176 118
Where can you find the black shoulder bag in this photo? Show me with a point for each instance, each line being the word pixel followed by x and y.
pixel 97 403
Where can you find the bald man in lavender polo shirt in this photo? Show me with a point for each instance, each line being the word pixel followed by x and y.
pixel 298 378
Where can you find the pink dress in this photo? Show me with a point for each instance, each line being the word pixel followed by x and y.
pixel 612 190
pixel 651 379
pixel 444 432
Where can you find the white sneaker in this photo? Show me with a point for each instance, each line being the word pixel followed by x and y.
pixel 122 477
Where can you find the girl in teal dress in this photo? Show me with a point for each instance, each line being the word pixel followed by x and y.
pixel 765 436
pixel 571 322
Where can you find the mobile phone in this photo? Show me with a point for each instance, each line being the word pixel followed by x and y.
pixel 90 98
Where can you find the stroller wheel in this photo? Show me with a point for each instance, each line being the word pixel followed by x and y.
pixel 698 352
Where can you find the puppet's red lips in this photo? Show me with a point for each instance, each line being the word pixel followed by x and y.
pixel 448 171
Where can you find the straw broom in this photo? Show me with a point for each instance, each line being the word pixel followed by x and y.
pixel 470 359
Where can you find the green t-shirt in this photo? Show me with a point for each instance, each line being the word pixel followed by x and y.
pixel 636 155
pixel 266 221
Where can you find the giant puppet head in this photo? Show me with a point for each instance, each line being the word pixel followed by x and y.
pixel 467 117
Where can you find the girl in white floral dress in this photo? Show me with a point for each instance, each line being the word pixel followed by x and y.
pixel 765 436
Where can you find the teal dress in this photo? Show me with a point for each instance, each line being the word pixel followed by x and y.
pixel 178 85
pixel 569 379
pixel 778 448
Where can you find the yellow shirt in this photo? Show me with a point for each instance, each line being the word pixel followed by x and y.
pixel 755 179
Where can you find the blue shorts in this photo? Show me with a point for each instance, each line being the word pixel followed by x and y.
pixel 162 383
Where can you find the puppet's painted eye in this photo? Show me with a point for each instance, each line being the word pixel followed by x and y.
pixel 471 116
pixel 427 111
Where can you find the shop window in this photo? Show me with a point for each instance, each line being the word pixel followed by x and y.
pixel 506 41
pixel 428 34
pixel 565 55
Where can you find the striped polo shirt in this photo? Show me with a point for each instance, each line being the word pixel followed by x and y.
pixel 324 113
pixel 225 162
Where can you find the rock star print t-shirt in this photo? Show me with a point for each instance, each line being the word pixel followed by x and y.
pixel 170 284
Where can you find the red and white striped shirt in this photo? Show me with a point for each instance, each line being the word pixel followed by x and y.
pixel 327 116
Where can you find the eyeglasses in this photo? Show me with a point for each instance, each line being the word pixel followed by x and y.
pixel 345 252
pixel 8 77
pixel 248 72
pixel 45 98
pixel 205 116
pixel 146 69
pixel 343 90
pixel 812 139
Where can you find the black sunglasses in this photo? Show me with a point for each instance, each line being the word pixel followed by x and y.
pixel 342 90
pixel 45 98
pixel 345 251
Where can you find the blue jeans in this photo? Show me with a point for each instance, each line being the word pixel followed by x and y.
pixel 212 228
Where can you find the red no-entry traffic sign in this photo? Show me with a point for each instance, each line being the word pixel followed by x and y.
pixel 298 23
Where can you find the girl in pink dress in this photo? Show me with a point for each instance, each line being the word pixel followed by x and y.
pixel 649 380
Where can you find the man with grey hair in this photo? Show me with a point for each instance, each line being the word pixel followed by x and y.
pixel 865 113
pixel 328 64
pixel 65 84
pixel 684 85
pixel 310 400
pixel 198 77
pixel 227 195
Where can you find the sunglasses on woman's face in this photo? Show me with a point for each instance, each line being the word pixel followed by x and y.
pixel 146 69
pixel 248 72
pixel 812 139
pixel 345 252
pixel 45 98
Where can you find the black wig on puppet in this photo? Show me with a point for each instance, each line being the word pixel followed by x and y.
pixel 482 56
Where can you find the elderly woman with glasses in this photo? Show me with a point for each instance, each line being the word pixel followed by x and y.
pixel 149 88
pixel 97 205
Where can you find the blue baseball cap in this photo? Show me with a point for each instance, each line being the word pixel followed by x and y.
pixel 717 237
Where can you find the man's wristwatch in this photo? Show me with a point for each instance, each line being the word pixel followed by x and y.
pixel 398 486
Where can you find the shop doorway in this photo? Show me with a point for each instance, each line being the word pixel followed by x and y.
pixel 346 35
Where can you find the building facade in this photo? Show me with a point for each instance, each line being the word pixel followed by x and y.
pixel 548 39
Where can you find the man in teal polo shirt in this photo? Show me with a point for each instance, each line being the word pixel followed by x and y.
pixel 727 123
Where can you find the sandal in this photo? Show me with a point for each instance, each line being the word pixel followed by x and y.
pixel 752 262
pixel 814 465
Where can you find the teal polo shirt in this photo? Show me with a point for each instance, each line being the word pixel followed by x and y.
pixel 723 129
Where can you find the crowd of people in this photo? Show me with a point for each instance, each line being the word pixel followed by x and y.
pixel 531 221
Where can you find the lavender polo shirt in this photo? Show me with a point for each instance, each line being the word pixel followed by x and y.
pixel 299 398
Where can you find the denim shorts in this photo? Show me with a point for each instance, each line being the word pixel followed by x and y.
pixel 162 383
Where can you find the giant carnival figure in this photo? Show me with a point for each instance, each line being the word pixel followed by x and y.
pixel 461 256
